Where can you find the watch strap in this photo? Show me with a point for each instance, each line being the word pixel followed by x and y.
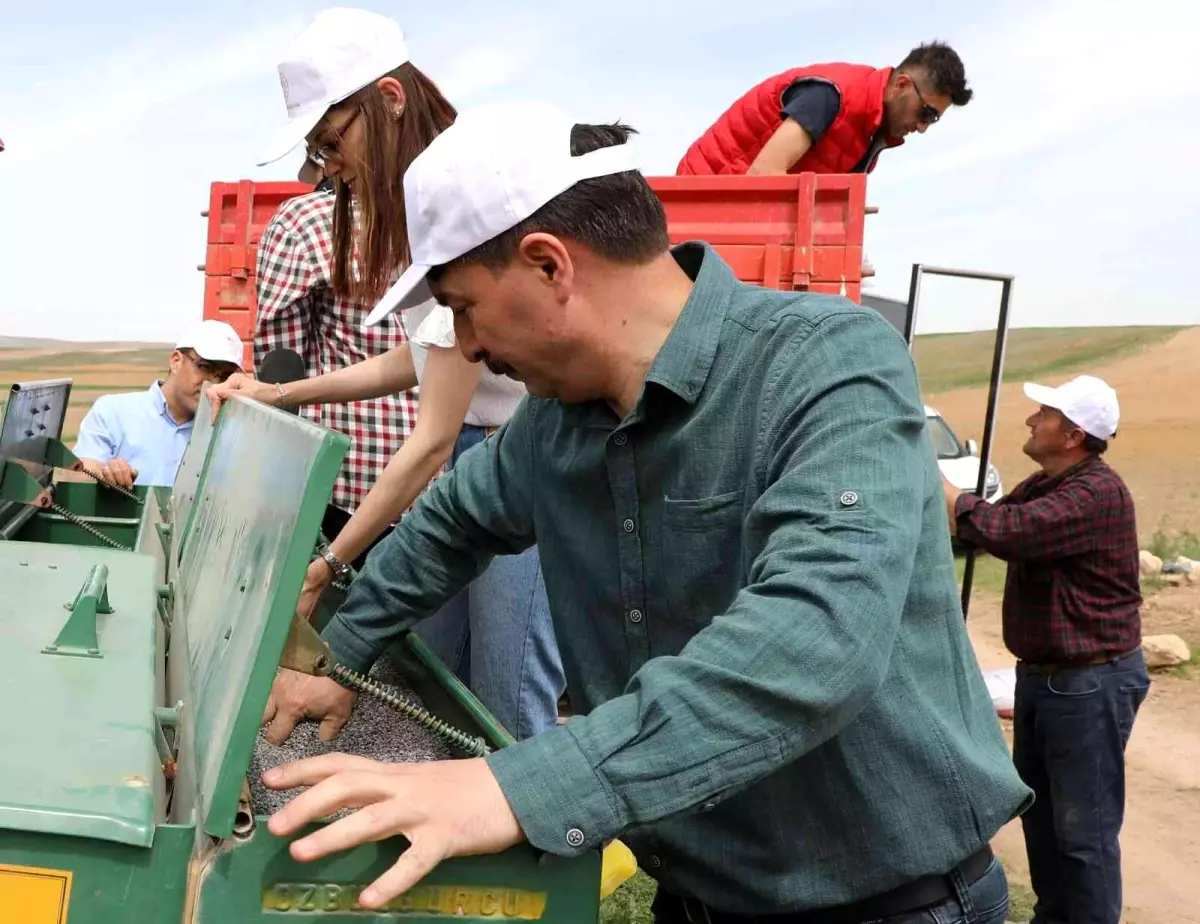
pixel 341 571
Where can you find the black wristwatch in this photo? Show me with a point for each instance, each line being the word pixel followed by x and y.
pixel 341 571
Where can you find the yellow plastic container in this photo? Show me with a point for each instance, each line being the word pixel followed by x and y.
pixel 617 866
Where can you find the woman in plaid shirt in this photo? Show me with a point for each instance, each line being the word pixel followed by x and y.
pixel 364 112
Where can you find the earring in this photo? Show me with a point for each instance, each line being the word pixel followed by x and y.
pixel 397 113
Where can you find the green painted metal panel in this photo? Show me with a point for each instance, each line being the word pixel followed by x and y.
pixel 187 477
pixel 88 499
pixel 79 753
pixel 47 527
pixel 112 513
pixel 21 482
pixel 109 883
pixel 253 522
pixel 258 881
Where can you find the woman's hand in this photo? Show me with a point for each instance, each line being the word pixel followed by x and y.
pixel 319 576
pixel 248 387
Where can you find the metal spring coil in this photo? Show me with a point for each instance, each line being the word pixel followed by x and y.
pixel 114 487
pixel 474 746
pixel 88 527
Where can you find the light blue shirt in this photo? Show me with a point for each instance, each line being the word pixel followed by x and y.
pixel 138 428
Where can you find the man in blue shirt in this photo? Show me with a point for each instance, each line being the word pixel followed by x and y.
pixel 139 438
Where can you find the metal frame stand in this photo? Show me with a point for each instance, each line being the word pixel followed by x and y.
pixel 997 374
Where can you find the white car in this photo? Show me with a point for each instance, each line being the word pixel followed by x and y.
pixel 958 462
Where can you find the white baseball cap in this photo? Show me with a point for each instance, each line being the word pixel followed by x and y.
pixel 1086 401
pixel 340 52
pixel 215 341
pixel 486 173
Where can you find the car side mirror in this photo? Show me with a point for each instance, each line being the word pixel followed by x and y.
pixel 972 448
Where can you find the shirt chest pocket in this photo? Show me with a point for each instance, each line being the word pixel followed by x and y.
pixel 701 542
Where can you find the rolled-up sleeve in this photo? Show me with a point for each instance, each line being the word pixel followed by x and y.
pixel 1053 526
pixel 831 539
pixel 483 507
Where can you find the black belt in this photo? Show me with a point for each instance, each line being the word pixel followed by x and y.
pixel 1053 667
pixel 912 896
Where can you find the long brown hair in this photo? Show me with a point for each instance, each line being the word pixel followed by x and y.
pixel 391 145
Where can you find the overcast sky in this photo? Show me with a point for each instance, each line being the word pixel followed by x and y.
pixel 1073 168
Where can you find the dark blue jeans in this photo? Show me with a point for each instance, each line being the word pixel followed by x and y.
pixel 1070 728
pixel 984 901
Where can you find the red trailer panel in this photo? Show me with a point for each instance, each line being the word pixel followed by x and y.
pixel 783 232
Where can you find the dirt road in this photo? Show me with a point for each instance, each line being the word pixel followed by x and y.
pixel 1160 841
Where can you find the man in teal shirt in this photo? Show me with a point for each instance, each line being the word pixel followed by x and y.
pixel 745 550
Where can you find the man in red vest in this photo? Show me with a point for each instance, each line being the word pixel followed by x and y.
pixel 830 118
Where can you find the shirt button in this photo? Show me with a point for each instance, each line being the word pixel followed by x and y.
pixel 620 439
pixel 635 615
pixel 575 837
pixel 655 862
pixel 628 524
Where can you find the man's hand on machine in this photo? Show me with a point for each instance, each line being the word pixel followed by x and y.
pixel 248 387
pixel 295 696
pixel 452 808
pixel 115 471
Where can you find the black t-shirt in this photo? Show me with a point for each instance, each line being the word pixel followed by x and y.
pixel 814 104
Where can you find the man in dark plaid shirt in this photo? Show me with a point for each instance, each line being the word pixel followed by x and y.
pixel 1072 604
pixel 298 310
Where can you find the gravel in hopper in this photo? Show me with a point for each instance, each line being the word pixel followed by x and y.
pixel 375 730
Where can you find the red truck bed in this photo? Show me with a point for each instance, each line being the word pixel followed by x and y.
pixel 783 232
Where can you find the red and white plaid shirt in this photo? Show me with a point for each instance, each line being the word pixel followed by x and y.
pixel 298 310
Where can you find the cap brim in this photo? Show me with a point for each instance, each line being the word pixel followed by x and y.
pixel 213 352
pixel 410 290
pixel 1042 394
pixel 293 134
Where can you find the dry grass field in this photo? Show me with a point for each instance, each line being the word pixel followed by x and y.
pixel 95 370
pixel 1156 372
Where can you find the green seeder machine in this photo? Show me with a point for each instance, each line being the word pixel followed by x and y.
pixel 141 632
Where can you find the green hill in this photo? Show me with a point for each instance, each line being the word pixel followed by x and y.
pixel 949 361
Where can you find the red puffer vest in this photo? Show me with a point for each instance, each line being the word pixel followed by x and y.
pixel 734 140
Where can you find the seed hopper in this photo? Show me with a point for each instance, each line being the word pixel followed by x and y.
pixel 142 631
